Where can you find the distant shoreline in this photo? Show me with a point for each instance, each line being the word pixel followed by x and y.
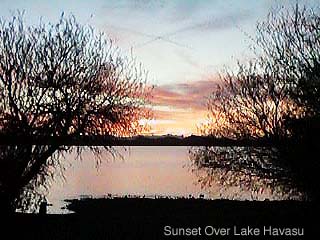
pixel 166 140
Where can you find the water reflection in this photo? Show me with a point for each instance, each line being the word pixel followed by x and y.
pixel 216 172
pixel 144 171
pixel 243 172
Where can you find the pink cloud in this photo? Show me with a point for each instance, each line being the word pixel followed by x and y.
pixel 181 106
pixel 184 95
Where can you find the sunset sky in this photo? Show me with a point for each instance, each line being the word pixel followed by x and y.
pixel 183 44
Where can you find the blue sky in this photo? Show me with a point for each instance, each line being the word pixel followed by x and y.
pixel 205 34
pixel 183 44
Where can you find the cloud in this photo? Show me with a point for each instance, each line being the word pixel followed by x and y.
pixel 178 108
pixel 169 109
pixel 177 123
pixel 178 17
pixel 191 95
pixel 214 23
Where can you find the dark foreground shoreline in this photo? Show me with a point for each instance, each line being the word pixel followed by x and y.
pixel 139 218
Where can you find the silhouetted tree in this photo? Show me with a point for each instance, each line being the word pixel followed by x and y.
pixel 243 172
pixel 288 43
pixel 280 83
pixel 61 79
pixel 251 103
pixel 274 96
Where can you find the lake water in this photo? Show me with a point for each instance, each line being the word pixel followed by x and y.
pixel 145 171
pixel 141 171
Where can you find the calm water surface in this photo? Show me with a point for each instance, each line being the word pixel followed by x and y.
pixel 142 171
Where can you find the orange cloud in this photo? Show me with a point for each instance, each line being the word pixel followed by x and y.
pixel 181 123
pixel 179 108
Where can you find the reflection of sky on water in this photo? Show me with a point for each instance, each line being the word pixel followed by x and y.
pixel 145 171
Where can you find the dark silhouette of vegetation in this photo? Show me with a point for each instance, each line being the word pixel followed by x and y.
pixel 60 79
pixel 123 218
pixel 280 83
pixel 273 96
pixel 252 172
